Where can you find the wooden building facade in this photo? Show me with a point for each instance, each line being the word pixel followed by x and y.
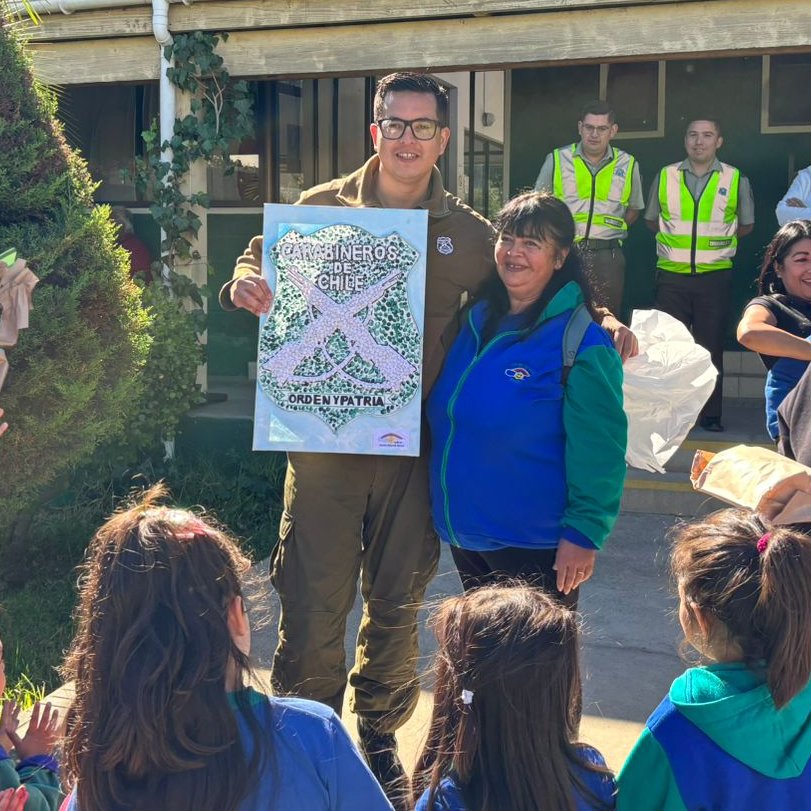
pixel 535 62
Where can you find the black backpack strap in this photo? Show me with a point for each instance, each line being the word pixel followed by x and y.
pixel 573 334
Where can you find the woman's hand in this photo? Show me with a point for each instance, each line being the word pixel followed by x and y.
pixel 625 341
pixel 774 501
pixel 574 565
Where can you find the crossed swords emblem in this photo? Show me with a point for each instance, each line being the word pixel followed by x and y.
pixel 342 318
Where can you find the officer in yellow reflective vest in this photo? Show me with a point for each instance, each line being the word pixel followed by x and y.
pixel 601 186
pixel 698 209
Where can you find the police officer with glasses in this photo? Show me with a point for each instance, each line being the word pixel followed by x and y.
pixel 602 188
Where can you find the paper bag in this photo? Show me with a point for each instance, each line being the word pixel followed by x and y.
pixel 756 479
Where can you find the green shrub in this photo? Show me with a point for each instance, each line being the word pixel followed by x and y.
pixel 75 372
pixel 169 387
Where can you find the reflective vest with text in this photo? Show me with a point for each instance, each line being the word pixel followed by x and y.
pixel 697 236
pixel 598 202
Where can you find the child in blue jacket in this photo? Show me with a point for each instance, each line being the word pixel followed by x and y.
pixel 735 733
pixel 27 763
pixel 163 718
pixel 506 711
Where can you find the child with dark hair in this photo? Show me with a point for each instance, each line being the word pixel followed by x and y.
pixel 507 709
pixel 32 776
pixel 735 733
pixel 162 717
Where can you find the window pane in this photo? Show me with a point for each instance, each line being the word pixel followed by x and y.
pixel 488 174
pixel 633 92
pixel 289 129
pixel 787 105
pixel 105 123
pixel 351 125
pixel 243 183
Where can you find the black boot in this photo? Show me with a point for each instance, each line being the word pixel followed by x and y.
pixel 380 751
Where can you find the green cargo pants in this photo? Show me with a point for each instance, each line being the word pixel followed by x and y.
pixel 349 516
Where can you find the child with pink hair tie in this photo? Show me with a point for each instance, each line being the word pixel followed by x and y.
pixel 734 733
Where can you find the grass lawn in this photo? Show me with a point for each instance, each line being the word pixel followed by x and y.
pixel 241 489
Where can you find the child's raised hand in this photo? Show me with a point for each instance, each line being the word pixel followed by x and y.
pixel 41 735
pixel 13 799
pixel 9 721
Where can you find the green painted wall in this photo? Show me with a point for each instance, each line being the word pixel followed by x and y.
pixel 232 336
pixel 546 103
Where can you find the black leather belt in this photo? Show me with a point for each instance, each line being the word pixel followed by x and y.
pixel 599 244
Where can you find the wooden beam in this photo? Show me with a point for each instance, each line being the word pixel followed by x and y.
pixel 135 21
pixel 233 15
pixel 106 60
pixel 604 34
pixel 657 30
pixel 236 15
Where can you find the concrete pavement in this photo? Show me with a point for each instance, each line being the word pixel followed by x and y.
pixel 630 642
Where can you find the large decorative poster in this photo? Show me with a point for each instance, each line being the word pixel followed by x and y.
pixel 339 366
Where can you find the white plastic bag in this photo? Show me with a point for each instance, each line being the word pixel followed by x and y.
pixel 665 388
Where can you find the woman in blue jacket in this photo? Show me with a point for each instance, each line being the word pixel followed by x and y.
pixel 528 458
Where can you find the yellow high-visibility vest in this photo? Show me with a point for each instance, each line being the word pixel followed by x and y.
pixel 697 236
pixel 598 201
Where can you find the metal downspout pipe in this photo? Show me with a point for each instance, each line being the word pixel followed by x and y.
pixel 160 29
pixel 166 107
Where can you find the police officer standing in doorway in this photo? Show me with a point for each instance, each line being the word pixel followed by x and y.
pixel 698 209
pixel 602 187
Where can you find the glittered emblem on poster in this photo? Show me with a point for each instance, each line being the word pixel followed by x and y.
pixel 343 340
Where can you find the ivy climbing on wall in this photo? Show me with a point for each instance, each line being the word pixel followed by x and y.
pixel 220 116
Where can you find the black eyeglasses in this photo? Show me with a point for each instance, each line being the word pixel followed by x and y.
pixel 423 129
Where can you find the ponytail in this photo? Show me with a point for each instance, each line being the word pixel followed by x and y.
pixel 757 583
pixel 783 612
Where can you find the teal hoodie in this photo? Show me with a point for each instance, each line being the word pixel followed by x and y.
pixel 718 741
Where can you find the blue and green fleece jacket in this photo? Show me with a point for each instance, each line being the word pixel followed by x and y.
pixel 38 773
pixel 520 458
pixel 718 742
